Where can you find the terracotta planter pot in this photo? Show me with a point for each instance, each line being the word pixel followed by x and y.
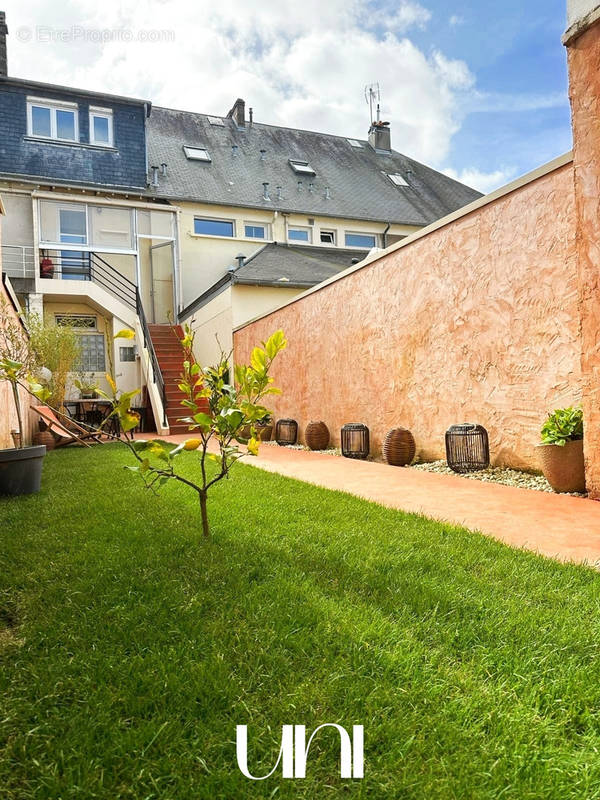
pixel 316 435
pixel 263 431
pixel 563 467
pixel 45 438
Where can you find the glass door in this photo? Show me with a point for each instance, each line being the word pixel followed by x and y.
pixel 161 282
pixel 72 229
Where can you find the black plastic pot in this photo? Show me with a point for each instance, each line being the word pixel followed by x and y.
pixel 21 470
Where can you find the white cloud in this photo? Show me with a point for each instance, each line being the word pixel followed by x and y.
pixel 303 66
pixel 399 19
pixel 485 182
pixel 455 20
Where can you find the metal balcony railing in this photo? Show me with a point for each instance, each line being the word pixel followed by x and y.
pixel 18 261
pixel 83 266
pixel 93 267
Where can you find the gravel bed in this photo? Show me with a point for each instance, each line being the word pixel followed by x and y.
pixel 331 451
pixel 509 477
pixel 505 475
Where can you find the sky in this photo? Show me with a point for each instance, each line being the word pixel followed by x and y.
pixel 474 88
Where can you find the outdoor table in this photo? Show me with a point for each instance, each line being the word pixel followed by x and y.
pixel 93 411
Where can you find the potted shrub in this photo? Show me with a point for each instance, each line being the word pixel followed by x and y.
pixel 561 450
pixel 20 466
pixel 87 385
pixel 264 429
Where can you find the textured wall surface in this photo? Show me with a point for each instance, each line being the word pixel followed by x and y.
pixel 584 79
pixel 124 165
pixel 477 321
pixel 8 413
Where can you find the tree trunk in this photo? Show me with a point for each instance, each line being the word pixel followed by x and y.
pixel 17 399
pixel 205 528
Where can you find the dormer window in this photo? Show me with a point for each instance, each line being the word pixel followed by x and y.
pixel 397 179
pixel 52 119
pixel 196 153
pixel 101 126
pixel 301 167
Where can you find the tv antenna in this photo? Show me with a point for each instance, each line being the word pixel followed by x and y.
pixel 373 97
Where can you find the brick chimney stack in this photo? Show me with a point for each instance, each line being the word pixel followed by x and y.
pixel 3 57
pixel 238 113
pixel 582 40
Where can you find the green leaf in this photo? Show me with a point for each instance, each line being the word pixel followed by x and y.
pixel 258 359
pixel 204 420
pixel 125 333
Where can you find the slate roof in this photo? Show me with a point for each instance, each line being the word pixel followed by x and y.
pixel 300 266
pixel 350 182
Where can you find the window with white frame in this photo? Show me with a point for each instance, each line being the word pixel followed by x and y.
pixel 214 227
pixel 301 167
pixel 196 153
pixel 297 234
pixel 101 126
pixel 397 179
pixel 256 230
pixel 327 237
pixel 366 240
pixel 126 353
pixel 52 119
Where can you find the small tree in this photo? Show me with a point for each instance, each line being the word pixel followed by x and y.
pixel 56 347
pixel 216 409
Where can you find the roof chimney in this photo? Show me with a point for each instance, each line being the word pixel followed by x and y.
pixel 238 113
pixel 3 57
pixel 380 137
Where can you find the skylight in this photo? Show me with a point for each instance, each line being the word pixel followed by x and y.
pixel 196 153
pixel 354 143
pixel 216 121
pixel 301 167
pixel 397 179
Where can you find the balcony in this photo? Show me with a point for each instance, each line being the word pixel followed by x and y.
pixel 18 261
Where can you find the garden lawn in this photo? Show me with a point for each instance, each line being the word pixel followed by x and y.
pixel 130 648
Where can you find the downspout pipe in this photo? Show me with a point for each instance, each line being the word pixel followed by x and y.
pixel 384 235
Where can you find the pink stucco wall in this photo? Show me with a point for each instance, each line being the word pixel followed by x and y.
pixel 476 321
pixel 584 83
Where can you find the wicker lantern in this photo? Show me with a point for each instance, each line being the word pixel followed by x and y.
pixel 399 447
pixel 467 447
pixel 316 435
pixel 286 431
pixel 355 440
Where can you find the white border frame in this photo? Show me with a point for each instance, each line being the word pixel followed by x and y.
pixel 53 106
pixel 105 113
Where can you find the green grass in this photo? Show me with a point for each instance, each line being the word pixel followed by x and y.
pixel 130 649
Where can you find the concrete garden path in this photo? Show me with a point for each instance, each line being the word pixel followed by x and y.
pixel 559 526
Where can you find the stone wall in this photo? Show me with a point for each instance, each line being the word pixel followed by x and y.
pixel 477 320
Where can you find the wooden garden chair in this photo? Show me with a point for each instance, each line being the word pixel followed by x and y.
pixel 64 435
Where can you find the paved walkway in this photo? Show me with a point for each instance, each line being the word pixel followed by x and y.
pixel 563 527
